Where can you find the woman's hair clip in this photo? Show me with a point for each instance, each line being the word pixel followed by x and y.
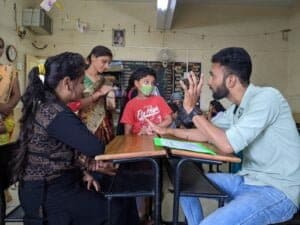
pixel 42 70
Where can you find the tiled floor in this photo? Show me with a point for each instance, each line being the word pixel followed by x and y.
pixel 167 204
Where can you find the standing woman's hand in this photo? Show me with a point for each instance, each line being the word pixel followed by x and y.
pixel 192 92
pixel 103 90
pixel 111 100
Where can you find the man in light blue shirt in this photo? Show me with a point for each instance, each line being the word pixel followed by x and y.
pixel 260 124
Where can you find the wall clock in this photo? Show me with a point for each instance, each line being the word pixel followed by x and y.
pixel 11 53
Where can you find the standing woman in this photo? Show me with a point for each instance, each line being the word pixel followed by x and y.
pixel 50 188
pixel 95 108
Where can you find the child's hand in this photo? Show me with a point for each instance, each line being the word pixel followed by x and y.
pixel 146 131
pixel 156 129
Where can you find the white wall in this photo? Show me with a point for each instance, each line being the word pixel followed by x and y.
pixel 9 35
pixel 293 88
pixel 198 32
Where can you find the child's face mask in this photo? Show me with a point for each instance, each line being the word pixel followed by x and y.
pixel 147 89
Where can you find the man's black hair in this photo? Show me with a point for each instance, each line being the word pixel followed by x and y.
pixel 236 61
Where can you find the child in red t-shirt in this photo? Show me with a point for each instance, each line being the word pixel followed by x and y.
pixel 141 107
pixel 144 105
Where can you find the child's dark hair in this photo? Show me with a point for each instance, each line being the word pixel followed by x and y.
pixel 99 51
pixel 140 73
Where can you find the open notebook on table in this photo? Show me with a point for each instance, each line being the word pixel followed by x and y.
pixel 183 145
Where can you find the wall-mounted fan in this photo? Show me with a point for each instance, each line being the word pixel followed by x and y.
pixel 166 55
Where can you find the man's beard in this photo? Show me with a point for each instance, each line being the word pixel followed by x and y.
pixel 221 92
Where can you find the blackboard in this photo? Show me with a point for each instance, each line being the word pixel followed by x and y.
pixel 167 79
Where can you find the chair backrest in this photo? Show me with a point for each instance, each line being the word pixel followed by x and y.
pixel 126 98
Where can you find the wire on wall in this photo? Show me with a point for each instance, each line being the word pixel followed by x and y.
pixel 34 44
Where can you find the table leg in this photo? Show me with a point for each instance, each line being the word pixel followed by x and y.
pixel 157 192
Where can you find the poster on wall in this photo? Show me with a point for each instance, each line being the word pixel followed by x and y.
pixel 118 37
pixel 180 69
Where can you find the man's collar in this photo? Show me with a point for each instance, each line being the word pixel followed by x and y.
pixel 245 99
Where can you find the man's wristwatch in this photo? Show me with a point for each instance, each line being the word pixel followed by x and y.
pixel 187 118
pixel 195 112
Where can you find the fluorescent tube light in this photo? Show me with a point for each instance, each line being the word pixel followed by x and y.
pixel 162 4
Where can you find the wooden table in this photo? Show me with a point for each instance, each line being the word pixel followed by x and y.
pixel 131 146
pixel 134 148
pixel 128 148
pixel 220 156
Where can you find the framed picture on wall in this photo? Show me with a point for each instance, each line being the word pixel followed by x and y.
pixel 118 37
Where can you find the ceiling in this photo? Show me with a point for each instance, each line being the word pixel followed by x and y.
pixel 164 19
pixel 241 2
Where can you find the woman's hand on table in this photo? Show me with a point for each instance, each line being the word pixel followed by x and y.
pixel 107 168
pixel 91 183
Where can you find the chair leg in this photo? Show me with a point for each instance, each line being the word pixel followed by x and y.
pixel 221 202
pixel 210 170
pixel 2 207
pixel 218 169
pixel 109 199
